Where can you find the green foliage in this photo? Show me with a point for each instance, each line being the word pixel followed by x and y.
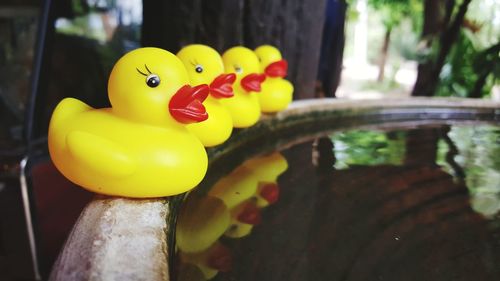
pixel 394 11
pixel 488 61
pixel 79 7
pixel 478 151
pixel 387 85
pixel 404 39
pixel 464 66
pixel 368 148
pixel 458 76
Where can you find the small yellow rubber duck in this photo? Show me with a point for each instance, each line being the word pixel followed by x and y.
pixel 244 106
pixel 140 146
pixel 204 66
pixel 276 93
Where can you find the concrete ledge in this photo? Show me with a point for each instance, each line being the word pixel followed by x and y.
pixel 339 104
pixel 124 239
pixel 116 239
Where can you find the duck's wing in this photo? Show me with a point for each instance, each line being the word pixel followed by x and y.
pixel 100 155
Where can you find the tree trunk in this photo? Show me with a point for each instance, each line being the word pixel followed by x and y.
pixel 383 55
pixel 452 154
pixel 428 73
pixel 294 26
pixel 433 25
pixel 479 85
pixel 172 24
pixel 332 47
pixel 447 39
pixel 421 147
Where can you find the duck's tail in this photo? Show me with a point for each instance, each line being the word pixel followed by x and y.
pixel 67 108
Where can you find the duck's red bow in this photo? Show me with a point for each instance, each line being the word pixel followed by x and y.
pixel 277 69
pixel 186 106
pixel 221 87
pixel 252 81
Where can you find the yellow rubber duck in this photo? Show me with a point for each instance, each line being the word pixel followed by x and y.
pixel 276 93
pixel 140 146
pixel 204 66
pixel 244 106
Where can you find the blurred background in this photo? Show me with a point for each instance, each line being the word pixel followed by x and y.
pixel 347 49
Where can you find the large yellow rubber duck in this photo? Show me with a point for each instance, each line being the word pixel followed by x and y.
pixel 276 93
pixel 140 146
pixel 244 106
pixel 204 66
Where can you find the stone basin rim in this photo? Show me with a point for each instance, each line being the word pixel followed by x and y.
pixel 85 255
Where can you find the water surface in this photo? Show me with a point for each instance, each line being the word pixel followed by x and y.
pixel 418 203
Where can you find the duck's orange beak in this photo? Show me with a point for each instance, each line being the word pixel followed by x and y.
pixel 252 81
pixel 270 192
pixel 277 69
pixel 221 87
pixel 220 259
pixel 250 215
pixel 186 106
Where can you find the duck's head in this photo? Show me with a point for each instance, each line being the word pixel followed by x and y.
pixel 245 64
pixel 271 62
pixel 204 66
pixel 150 85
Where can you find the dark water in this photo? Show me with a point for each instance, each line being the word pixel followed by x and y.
pixel 412 204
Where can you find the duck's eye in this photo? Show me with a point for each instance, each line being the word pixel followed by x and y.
pixel 153 80
pixel 198 68
pixel 238 69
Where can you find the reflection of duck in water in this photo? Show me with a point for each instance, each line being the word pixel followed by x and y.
pixel 250 180
pixel 266 170
pixel 232 207
pixel 139 147
pixel 249 188
pixel 204 66
pixel 201 222
pixel 209 262
pixel 243 218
